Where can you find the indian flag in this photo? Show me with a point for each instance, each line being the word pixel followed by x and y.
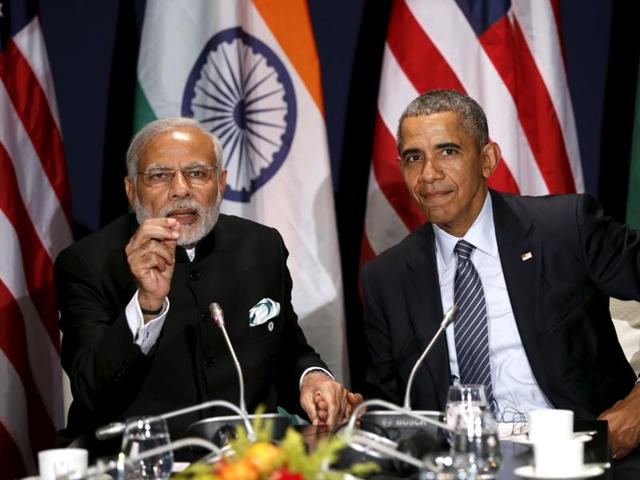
pixel 249 72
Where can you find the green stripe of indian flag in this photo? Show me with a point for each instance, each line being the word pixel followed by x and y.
pixel 633 198
pixel 142 111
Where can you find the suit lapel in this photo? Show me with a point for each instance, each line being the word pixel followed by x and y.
pixel 521 259
pixel 422 292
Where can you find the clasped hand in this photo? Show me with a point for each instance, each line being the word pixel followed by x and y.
pixel 326 401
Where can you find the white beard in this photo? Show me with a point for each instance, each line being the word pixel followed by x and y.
pixel 191 234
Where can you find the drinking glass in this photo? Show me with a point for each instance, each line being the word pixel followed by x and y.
pixel 476 448
pixel 463 400
pixel 141 434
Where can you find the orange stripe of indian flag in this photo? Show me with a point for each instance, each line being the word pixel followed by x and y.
pixel 290 23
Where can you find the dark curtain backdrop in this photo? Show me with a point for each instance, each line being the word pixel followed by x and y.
pixel 93 48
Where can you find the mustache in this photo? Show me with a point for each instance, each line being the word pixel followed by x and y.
pixel 180 205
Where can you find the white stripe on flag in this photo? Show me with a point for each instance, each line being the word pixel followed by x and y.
pixel 37 193
pixel 482 82
pixel 392 106
pixel 30 42
pixel 382 224
pixel 13 410
pixel 538 24
pixel 44 360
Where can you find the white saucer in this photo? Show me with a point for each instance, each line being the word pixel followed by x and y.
pixel 179 466
pixel 588 471
pixel 524 439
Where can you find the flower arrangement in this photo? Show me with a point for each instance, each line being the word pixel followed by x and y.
pixel 263 460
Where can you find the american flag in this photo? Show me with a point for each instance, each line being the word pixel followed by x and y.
pixel 506 54
pixel 34 227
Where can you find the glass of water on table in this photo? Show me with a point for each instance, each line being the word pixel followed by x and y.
pixel 475 448
pixel 465 400
pixel 142 434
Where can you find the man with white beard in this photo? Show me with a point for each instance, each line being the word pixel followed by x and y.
pixel 134 296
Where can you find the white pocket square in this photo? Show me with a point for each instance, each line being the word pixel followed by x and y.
pixel 262 311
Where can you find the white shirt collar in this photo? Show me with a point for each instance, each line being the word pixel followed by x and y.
pixel 481 235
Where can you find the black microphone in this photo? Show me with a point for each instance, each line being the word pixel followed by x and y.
pixel 351 424
pixel 449 317
pixel 218 317
pixel 418 445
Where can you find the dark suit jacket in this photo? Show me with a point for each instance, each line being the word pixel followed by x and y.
pixel 237 264
pixel 560 300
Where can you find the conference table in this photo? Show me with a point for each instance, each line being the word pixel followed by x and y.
pixel 515 455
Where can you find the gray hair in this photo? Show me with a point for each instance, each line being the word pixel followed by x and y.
pixel 146 133
pixel 474 121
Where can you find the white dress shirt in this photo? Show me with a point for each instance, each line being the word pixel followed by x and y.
pixel 514 386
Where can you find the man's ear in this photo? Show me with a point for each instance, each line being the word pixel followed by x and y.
pixel 130 189
pixel 491 155
pixel 222 182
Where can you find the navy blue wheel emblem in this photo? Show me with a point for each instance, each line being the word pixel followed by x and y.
pixel 241 91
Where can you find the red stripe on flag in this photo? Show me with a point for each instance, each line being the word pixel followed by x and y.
pixel 413 49
pixel 38 268
pixel 502 179
pixel 13 342
pixel 30 102
pixel 12 465
pixel 515 64
pixel 417 55
pixel 555 8
pixel 387 172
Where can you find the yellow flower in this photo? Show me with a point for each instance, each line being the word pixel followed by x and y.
pixel 242 470
pixel 263 456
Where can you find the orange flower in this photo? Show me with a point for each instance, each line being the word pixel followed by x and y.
pixel 262 455
pixel 242 470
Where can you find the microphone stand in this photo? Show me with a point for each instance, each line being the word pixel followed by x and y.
pixel 117 428
pixel 218 317
pixel 385 450
pixel 449 317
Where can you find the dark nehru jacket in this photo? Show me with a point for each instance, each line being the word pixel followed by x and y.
pixel 238 264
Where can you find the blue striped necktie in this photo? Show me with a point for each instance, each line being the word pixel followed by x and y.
pixel 471 331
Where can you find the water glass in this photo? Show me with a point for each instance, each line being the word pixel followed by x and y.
pixel 142 434
pixel 476 448
pixel 464 400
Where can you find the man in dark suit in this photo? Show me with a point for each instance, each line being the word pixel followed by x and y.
pixel 134 298
pixel 536 331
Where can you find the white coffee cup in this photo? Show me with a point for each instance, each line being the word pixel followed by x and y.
pixel 550 425
pixel 558 458
pixel 62 461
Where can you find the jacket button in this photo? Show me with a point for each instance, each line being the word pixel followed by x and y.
pixel 205 316
pixel 194 275
pixel 209 362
